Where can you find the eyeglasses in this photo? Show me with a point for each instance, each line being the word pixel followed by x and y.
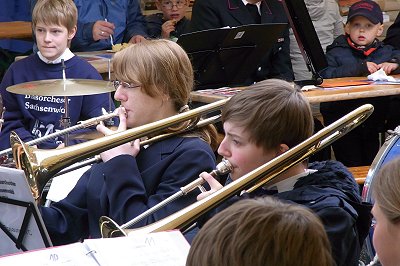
pixel 169 4
pixel 124 84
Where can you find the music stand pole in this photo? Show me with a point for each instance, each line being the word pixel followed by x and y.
pixel 65 120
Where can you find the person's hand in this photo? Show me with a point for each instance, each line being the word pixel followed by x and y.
pixel 372 67
pixel 131 148
pixel 167 28
pixel 388 67
pixel 60 146
pixel 102 30
pixel 137 38
pixel 214 185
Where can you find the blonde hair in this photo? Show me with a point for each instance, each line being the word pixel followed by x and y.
pixel 386 190
pixel 263 231
pixel 160 67
pixel 57 12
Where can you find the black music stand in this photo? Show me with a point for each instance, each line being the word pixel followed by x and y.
pixel 24 230
pixel 228 56
pixel 307 39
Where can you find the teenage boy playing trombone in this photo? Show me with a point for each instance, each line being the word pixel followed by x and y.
pixel 267 120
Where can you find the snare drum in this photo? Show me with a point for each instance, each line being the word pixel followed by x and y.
pixel 389 150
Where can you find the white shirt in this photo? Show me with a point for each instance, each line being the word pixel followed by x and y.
pixel 66 56
pixel 258 4
pixel 288 183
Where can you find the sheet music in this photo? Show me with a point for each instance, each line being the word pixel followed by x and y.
pixel 68 255
pixel 155 249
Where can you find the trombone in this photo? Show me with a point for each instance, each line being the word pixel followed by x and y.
pixel 40 165
pixel 249 182
pixel 82 124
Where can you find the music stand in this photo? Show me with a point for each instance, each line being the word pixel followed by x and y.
pixel 229 56
pixel 307 39
pixel 21 226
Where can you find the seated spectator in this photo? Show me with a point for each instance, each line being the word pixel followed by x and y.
pixel 171 23
pixel 261 231
pixel 359 53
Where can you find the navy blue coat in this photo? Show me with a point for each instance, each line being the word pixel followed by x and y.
pixel 212 14
pixel 125 187
pixel 345 61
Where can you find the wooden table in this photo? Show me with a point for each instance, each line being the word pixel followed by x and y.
pixel 16 30
pixel 318 94
pixel 100 60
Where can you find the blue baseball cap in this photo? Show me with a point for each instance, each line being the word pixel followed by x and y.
pixel 368 9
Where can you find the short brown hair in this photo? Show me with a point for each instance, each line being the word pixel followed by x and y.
pixel 57 12
pixel 273 112
pixel 259 232
pixel 386 190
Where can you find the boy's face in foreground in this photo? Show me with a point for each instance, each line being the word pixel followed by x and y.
pixel 362 31
pixel 244 156
pixel 52 40
pixel 177 12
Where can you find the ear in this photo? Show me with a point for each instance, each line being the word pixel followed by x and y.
pixel 282 149
pixel 347 28
pixel 71 34
pixel 380 30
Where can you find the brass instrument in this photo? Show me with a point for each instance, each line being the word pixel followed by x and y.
pixel 97 158
pixel 251 181
pixel 40 165
pixel 80 125
pixel 224 167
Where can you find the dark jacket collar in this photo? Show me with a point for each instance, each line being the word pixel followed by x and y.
pixel 238 10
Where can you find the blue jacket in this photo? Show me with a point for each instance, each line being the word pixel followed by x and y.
pixel 345 61
pixel 32 117
pixel 125 14
pixel 334 196
pixel 125 187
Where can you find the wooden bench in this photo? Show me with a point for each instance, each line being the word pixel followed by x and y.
pixel 359 173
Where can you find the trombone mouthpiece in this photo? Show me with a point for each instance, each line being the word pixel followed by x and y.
pixel 224 167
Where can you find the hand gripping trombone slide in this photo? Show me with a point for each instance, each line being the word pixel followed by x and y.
pixel 224 167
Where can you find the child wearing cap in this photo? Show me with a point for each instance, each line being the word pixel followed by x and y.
pixel 359 53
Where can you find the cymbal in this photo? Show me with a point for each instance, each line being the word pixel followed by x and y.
pixel 59 87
